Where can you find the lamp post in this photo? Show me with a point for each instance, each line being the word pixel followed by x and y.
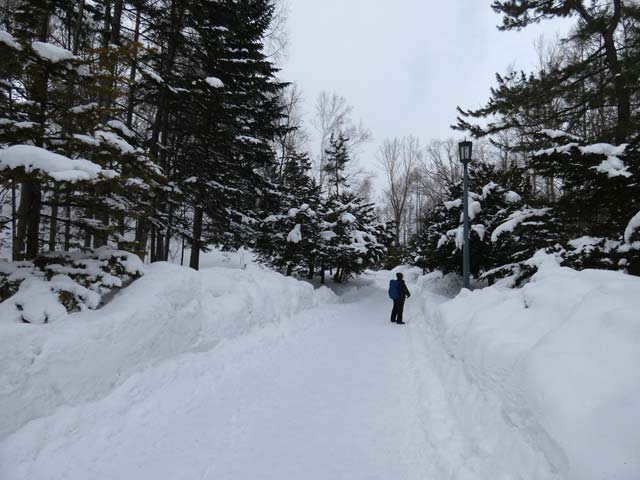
pixel 465 151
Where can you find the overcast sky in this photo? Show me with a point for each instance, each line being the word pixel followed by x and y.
pixel 403 65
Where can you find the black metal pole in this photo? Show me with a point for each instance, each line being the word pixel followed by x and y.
pixel 13 220
pixel 466 263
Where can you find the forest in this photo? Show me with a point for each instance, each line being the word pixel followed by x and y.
pixel 234 238
pixel 160 130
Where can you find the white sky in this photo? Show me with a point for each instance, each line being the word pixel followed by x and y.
pixel 404 65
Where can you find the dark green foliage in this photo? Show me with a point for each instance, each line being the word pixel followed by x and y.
pixel 296 203
pixel 601 195
pixel 585 228
pixel 497 199
pixel 399 254
pixel 563 120
pixel 354 240
pixel 593 202
pixel 177 97
pixel 311 234
pixel 341 234
pixel 79 280
pixel 337 160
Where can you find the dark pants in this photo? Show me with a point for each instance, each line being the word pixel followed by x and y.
pixel 398 309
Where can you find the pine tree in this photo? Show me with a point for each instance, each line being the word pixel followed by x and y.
pixel 230 97
pixel 592 81
pixel 506 231
pixel 289 238
pixel 354 240
pixel 174 102
pixel 600 195
pixel 337 158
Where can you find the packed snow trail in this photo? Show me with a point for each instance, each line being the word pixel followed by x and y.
pixel 337 393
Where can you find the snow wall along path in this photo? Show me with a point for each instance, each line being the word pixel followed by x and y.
pixel 543 381
pixel 169 311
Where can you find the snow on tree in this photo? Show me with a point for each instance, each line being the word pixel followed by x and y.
pixel 336 160
pixel 601 187
pixel 354 238
pixel 138 124
pixel 504 230
pixel 630 233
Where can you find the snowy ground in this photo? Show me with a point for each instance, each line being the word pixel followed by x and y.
pixel 305 387
pixel 338 393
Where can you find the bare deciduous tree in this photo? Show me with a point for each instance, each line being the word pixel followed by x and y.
pixel 399 158
pixel 277 37
pixel 295 138
pixel 333 115
pixel 440 169
pixel 364 187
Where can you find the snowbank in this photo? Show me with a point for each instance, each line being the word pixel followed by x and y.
pixel 170 311
pixel 543 380
pixel 44 291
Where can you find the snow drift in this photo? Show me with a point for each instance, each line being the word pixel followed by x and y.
pixel 170 311
pixel 543 380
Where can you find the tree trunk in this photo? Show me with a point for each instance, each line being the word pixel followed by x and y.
pixel 338 276
pixel 142 233
pixel 88 236
pixel 152 244
pixel 53 225
pixel 67 228
pixel 78 28
pixel 14 217
pixel 159 246
pixel 132 74
pixel 27 235
pixel 27 240
pixel 312 271
pixel 194 262
pixel 167 238
pixel 607 30
pixel 623 98
pixel 122 228
pixel 116 22
pixel 160 125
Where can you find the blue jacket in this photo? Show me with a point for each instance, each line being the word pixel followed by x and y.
pixel 394 289
pixel 398 289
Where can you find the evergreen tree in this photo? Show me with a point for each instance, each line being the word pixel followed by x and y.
pixel 354 240
pixel 229 121
pixel 600 195
pixel 290 239
pixel 591 82
pixel 183 115
pixel 337 158
pixel 572 121
pixel 505 230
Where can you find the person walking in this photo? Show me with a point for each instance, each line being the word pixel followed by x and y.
pixel 398 292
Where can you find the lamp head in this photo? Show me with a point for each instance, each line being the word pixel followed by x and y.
pixel 465 150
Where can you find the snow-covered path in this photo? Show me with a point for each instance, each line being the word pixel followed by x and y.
pixel 337 393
